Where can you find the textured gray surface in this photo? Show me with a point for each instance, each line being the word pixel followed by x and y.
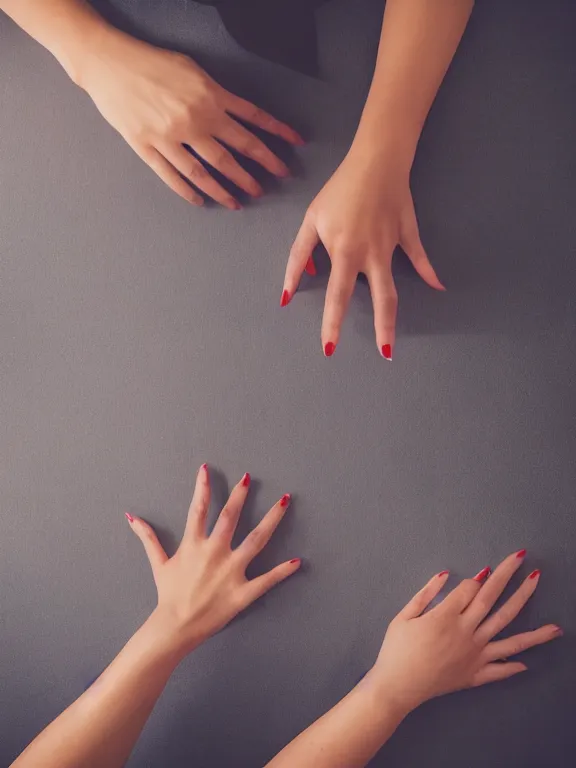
pixel 140 337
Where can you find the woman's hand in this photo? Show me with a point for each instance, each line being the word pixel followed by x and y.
pixel 160 101
pixel 452 646
pixel 361 215
pixel 204 586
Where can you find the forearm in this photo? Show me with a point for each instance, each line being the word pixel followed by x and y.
pixel 101 727
pixel 347 736
pixel 418 41
pixel 67 28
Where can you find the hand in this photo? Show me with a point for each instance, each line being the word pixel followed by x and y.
pixel 160 101
pixel 363 212
pixel 204 586
pixel 452 646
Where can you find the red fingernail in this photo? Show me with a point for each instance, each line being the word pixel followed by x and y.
pixel 128 517
pixel 246 480
pixel 235 205
pixel 285 300
pixel 483 574
pixel 387 352
pixel 310 267
pixel 535 574
pixel 204 467
pixel 296 560
pixel 558 631
pixel 285 500
pixel 443 573
pixel 329 349
pixel 521 554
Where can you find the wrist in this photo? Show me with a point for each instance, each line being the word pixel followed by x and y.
pixel 394 704
pixel 168 634
pixel 80 40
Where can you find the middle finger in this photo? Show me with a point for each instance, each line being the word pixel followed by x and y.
pixel 484 601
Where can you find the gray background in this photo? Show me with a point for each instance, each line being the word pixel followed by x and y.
pixel 140 337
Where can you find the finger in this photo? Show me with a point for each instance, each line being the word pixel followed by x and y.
pixel 261 535
pixel 193 170
pixel 300 258
pixel 493 588
pixel 262 584
pixel 511 646
pixel 492 673
pixel 228 518
pixel 199 506
pixel 219 158
pixel 413 248
pixel 243 140
pixel 385 301
pixel 338 294
pixel 252 114
pixel 511 608
pixel 461 597
pixel 152 546
pixel 169 175
pixel 422 599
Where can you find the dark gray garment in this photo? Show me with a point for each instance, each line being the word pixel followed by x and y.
pixel 140 337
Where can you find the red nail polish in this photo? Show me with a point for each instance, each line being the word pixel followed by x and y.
pixel 443 573
pixel 128 517
pixel 310 267
pixel 484 573
pixel 387 352
pixel 285 500
pixel 329 349
pixel 285 300
pixel 558 631
pixel 204 467
pixel 246 480
pixel 535 574
pixel 521 554
pixel 296 560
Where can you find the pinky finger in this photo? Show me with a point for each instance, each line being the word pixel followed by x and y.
pixel 169 175
pixel 261 584
pixel 152 547
pixel 492 673
pixel 511 646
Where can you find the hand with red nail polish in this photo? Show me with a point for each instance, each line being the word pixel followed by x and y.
pixel 203 586
pixel 360 216
pixel 452 646
pixel 200 589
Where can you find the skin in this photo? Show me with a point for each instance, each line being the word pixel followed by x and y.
pixel 157 100
pixel 424 655
pixel 204 586
pixel 366 208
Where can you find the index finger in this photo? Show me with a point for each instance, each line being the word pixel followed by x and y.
pixel 385 302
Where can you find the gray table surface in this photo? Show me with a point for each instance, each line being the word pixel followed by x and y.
pixel 140 337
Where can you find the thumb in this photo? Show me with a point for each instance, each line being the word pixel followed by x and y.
pixel 152 547
pixel 413 248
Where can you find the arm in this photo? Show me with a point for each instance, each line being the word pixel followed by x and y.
pixel 200 589
pixel 365 210
pixel 424 655
pixel 157 100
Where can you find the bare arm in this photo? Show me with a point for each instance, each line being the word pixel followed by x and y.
pixel 366 209
pixel 200 589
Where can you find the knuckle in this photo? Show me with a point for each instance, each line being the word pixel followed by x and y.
pixel 196 172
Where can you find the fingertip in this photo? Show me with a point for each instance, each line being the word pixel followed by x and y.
pixel 129 517
pixel 386 352
pixel 295 563
pixel 329 348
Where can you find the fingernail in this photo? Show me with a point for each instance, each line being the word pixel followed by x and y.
pixel 285 300
pixel 235 205
pixel 387 352
pixel 285 500
pixel 483 574
pixel 246 480
pixel 535 574
pixel 204 467
pixel 521 554
pixel 128 517
pixel 296 560
pixel 257 191
pixel 558 631
pixel 310 267
pixel 329 349
pixel 284 172
pixel 443 573
pixel 298 139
